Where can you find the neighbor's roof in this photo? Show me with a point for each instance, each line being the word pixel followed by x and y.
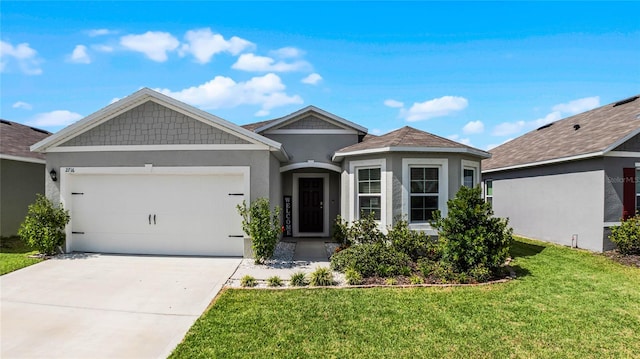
pixel 598 131
pixel 407 139
pixel 15 140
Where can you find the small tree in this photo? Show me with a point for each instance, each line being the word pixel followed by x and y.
pixel 43 227
pixel 262 226
pixel 471 238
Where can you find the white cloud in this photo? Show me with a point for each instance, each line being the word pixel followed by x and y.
pixel 255 63
pixel 80 55
pixel 56 118
pixel 557 112
pixel 473 127
pixel 312 79
pixel 154 44
pixel 115 99
pixel 102 48
pixel 223 92
pixel 26 57
pixel 393 103
pixel 287 53
pixel 508 128
pixel 578 106
pixel 464 141
pixel 204 44
pixel 438 107
pixel 100 32
pixel 22 105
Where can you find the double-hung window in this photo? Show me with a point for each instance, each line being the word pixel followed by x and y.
pixel 369 192
pixel 488 191
pixel 424 193
pixel 470 173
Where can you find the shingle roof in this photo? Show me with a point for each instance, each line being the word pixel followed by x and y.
pixel 404 137
pixel 256 125
pixel 16 138
pixel 598 130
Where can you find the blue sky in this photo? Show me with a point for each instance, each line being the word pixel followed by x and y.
pixel 479 73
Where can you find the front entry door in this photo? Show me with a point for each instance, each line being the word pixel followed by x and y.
pixel 311 206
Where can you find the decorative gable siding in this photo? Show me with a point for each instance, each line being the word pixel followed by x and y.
pixel 153 124
pixel 631 145
pixel 310 123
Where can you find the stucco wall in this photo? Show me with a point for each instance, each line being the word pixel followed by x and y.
pixel 258 161
pixel 153 124
pixel 316 147
pixel 613 191
pixel 19 184
pixel 555 202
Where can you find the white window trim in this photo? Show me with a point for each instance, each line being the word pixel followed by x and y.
pixel 385 191
pixel 484 190
pixel 443 186
pixel 296 210
pixel 470 165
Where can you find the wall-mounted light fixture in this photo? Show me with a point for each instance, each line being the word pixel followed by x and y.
pixel 54 175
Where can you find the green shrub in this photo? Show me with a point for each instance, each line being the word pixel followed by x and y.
pixel 262 226
pixel 371 259
pixel 414 279
pixel 626 236
pixel 426 266
pixel 298 279
pixel 480 274
pixel 365 230
pixel 43 227
pixel 413 243
pixel 390 281
pixel 322 276
pixel 274 281
pixel 248 281
pixel 341 232
pixel 470 236
pixel 353 277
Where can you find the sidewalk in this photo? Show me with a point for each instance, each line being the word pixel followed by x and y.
pixel 301 256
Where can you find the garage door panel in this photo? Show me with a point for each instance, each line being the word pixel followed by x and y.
pixel 189 214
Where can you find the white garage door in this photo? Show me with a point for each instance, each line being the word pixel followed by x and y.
pixel 156 214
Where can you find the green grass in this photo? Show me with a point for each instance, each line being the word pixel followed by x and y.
pixel 565 304
pixel 14 254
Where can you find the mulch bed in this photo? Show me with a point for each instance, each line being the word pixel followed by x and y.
pixel 628 260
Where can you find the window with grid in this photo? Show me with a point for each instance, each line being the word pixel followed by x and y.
pixel 469 175
pixel 488 192
pixel 369 192
pixel 424 193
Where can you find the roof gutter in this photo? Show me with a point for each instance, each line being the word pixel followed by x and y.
pixel 547 162
pixel 339 156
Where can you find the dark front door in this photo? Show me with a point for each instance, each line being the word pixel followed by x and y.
pixel 311 206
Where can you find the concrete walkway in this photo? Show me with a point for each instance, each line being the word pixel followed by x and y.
pixel 106 306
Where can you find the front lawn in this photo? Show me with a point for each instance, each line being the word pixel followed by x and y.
pixel 14 254
pixel 565 303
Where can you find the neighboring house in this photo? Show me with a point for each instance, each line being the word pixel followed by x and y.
pixel 149 174
pixel 569 181
pixel 21 173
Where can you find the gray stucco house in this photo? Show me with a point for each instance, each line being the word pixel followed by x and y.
pixel 150 174
pixel 569 181
pixel 21 173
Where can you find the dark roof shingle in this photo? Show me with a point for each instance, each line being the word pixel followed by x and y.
pixel 15 139
pixel 598 130
pixel 404 137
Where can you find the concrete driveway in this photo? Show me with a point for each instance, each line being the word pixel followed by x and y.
pixel 106 306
